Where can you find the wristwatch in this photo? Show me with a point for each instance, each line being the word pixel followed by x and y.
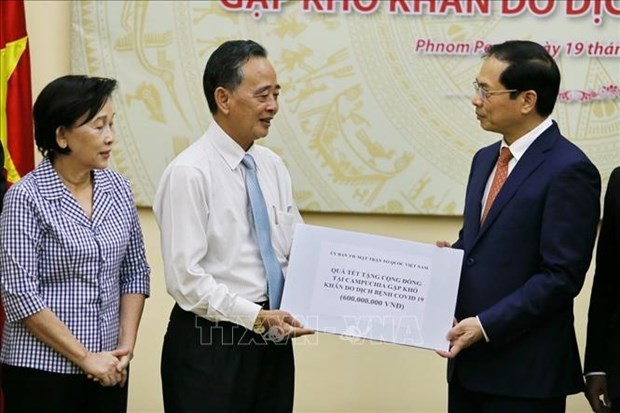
pixel 258 327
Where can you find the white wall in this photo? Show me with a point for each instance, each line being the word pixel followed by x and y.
pixel 333 375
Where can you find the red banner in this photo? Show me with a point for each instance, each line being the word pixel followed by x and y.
pixel 15 87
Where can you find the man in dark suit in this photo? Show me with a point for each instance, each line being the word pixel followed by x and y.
pixel 602 360
pixel 530 222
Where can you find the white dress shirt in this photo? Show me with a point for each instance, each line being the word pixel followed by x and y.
pixel 212 263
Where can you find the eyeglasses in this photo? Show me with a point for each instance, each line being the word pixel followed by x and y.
pixel 484 93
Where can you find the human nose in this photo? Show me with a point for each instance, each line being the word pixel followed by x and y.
pixel 109 135
pixel 273 105
pixel 476 99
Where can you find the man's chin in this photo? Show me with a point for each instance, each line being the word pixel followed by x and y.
pixel 486 126
pixel 262 134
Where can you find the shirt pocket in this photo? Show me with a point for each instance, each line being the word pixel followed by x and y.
pixel 283 232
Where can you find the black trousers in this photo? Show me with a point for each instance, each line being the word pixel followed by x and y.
pixel 209 367
pixel 461 400
pixel 35 391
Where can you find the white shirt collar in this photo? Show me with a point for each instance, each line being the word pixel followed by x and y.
pixel 226 147
pixel 519 146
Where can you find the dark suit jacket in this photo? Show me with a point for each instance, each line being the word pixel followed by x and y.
pixel 523 268
pixel 603 338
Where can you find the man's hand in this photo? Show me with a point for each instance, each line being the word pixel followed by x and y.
pixel 281 325
pixel 443 244
pixel 461 336
pixel 596 386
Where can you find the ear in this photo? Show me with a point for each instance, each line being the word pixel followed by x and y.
pixel 61 137
pixel 529 99
pixel 222 99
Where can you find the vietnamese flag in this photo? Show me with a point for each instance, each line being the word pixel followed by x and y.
pixel 15 91
pixel 15 99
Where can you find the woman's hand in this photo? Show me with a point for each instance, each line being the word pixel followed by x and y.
pixel 104 367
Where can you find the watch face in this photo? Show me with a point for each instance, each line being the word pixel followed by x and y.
pixel 258 327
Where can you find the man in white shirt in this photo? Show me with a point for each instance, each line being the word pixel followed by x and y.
pixel 216 356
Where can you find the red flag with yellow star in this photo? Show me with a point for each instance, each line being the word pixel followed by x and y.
pixel 15 91
pixel 15 99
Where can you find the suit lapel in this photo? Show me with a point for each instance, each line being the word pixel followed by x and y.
pixel 480 174
pixel 533 157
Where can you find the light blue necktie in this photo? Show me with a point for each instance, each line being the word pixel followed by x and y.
pixel 260 217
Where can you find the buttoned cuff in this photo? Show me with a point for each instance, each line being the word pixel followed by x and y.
pixel 243 312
